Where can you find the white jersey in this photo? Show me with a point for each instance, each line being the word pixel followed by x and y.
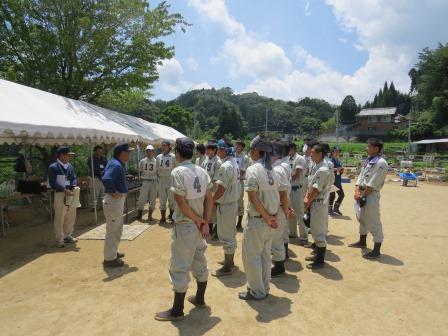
pixel 211 166
pixel 165 164
pixel 148 169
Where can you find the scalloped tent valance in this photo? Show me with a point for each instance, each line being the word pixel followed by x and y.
pixel 38 117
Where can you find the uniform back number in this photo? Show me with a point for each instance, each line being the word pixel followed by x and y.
pixel 197 185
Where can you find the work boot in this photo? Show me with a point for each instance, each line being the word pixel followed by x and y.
pixel 170 216
pixel 198 299
pixel 286 251
pixel 278 269
pixel 227 268
pixel 163 218
pixel 319 259
pixel 117 262
pixel 239 226
pixel 336 209
pixel 375 253
pixel 176 313
pixel 139 214
pixel 361 243
pixel 150 219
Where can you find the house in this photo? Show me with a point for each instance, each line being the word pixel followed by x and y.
pixel 378 122
pixel 430 146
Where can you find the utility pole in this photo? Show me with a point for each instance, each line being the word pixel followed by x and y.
pixel 194 125
pixel 266 123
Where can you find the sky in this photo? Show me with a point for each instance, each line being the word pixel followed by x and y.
pixel 291 49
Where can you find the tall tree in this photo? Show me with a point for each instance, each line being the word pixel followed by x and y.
pixel 348 110
pixel 177 117
pixel 82 48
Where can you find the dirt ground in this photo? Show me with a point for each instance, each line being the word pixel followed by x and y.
pixel 49 291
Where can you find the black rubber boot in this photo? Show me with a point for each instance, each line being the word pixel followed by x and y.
pixel 170 216
pixel 278 269
pixel 150 219
pixel 198 299
pixel 375 253
pixel 319 259
pixel 139 214
pixel 239 226
pixel 336 209
pixel 214 232
pixel 163 216
pixel 361 243
pixel 286 251
pixel 227 268
pixel 176 313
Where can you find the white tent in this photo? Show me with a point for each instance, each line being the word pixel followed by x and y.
pixel 39 117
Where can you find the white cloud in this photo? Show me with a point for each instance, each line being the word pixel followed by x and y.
pixel 342 40
pixel 309 62
pixel 192 64
pixel 172 81
pixel 216 11
pixel 247 56
pixel 242 53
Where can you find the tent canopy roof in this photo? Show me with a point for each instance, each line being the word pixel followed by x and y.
pixel 39 117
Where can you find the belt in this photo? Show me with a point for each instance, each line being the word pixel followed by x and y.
pixel 319 200
pixel 296 187
pixel 149 179
pixel 260 216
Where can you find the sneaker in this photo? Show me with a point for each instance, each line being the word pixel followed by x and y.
pixel 60 244
pixel 70 240
pixel 113 263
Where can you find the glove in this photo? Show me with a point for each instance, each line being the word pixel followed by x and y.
pixel 362 201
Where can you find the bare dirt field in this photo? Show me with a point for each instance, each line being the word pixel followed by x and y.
pixel 49 291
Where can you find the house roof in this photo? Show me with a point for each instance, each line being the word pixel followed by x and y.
pixel 430 141
pixel 377 111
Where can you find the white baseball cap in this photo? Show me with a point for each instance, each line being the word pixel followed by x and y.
pixel 150 147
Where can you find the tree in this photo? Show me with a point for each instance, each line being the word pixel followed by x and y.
pixel 177 117
pixel 82 48
pixel 348 110
pixel 230 122
pixel 430 83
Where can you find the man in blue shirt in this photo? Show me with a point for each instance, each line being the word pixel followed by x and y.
pixel 99 164
pixel 62 179
pixel 114 181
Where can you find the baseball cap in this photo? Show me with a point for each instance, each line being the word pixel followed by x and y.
pixel 166 142
pixel 150 147
pixel 212 144
pixel 64 150
pixel 122 147
pixel 261 143
pixel 185 143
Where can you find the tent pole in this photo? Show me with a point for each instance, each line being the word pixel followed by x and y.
pixel 93 184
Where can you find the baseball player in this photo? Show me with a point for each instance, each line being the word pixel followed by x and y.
pixel 367 194
pixel 243 162
pixel 226 201
pixel 283 174
pixel 62 179
pixel 148 174
pixel 331 178
pixel 200 155
pixel 96 186
pixel 165 164
pixel 316 200
pixel 338 171
pixel 211 165
pixel 114 180
pixel 298 185
pixel 264 201
pixel 191 187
